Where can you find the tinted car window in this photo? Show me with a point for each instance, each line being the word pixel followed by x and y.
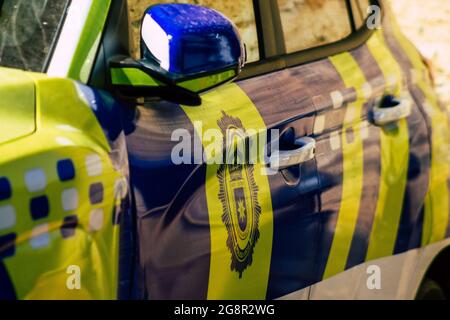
pixel 311 23
pixel 28 29
pixel 240 12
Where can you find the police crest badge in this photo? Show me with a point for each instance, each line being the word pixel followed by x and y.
pixel 238 194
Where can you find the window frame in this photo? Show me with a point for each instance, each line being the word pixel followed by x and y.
pixel 65 62
pixel 272 50
pixel 62 21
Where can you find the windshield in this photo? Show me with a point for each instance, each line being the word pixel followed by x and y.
pixel 28 30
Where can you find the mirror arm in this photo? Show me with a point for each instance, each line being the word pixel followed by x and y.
pixel 130 79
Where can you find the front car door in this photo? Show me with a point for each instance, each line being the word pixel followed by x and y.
pixel 188 214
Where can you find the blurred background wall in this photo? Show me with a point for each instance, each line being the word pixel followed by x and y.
pixel 427 24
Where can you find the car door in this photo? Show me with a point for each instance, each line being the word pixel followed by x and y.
pixel 185 242
pixel 374 203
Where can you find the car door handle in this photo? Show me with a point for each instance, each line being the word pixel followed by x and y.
pixel 287 158
pixel 390 110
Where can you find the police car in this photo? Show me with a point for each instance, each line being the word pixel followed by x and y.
pixel 96 97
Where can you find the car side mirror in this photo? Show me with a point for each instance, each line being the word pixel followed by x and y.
pixel 186 50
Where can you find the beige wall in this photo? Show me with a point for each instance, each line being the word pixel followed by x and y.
pixel 427 24
pixel 311 23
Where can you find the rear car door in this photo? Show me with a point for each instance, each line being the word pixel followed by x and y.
pixel 374 176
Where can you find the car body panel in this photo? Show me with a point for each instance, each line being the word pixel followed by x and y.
pixel 62 198
pixel 401 276
pixel 18 105
pixel 189 208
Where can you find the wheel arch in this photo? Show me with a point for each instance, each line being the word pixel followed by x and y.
pixel 438 270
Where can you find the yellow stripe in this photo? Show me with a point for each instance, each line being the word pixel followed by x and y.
pixel 436 202
pixel 223 282
pixel 394 161
pixel 352 152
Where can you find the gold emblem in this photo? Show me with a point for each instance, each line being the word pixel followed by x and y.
pixel 238 194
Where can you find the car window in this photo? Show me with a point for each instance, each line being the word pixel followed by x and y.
pixel 359 9
pixel 240 12
pixel 28 29
pixel 312 23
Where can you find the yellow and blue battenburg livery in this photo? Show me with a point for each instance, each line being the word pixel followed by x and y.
pixel 88 183
pixel 63 180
